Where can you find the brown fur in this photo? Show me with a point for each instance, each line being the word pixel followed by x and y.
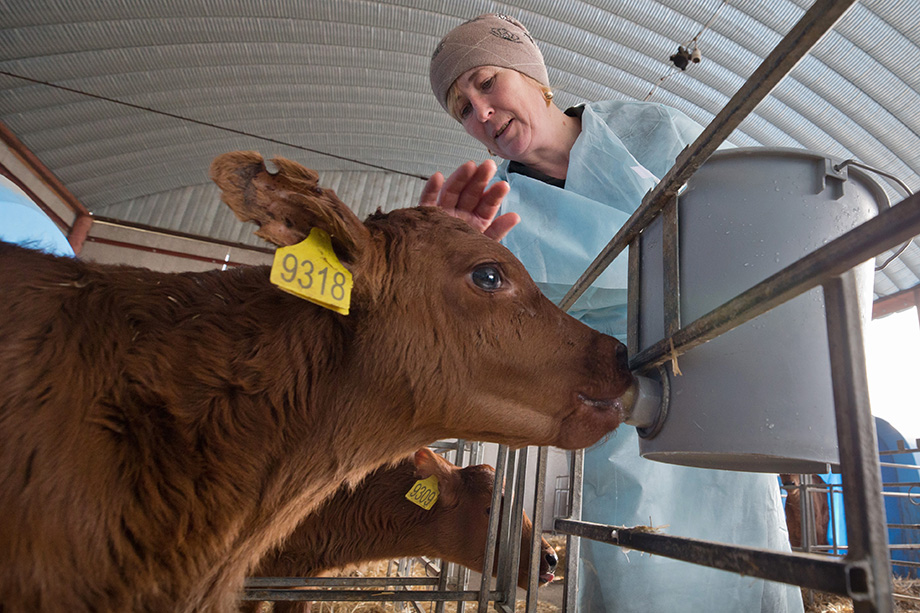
pixel 375 521
pixel 160 432
pixel 819 509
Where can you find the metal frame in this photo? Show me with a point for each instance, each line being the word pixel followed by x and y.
pixel 807 488
pixel 864 575
pixel 398 589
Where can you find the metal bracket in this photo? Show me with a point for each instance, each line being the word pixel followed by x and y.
pixel 839 175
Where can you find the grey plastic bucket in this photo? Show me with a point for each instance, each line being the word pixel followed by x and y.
pixel 758 398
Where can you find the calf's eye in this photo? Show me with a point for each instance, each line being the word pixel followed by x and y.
pixel 487 277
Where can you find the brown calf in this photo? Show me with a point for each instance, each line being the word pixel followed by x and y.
pixel 375 521
pixel 160 432
pixel 819 509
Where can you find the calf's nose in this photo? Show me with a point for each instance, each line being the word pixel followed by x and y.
pixel 622 357
pixel 551 560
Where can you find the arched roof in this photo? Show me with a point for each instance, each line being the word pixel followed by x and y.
pixel 350 78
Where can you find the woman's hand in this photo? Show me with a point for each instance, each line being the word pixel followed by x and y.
pixel 464 195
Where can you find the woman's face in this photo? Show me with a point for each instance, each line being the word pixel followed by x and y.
pixel 502 109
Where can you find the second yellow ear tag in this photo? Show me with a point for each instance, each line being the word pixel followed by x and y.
pixel 311 270
pixel 425 492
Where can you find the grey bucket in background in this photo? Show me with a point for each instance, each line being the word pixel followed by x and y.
pixel 759 397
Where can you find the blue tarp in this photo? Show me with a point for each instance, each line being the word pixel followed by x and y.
pixel 901 509
pixel 904 508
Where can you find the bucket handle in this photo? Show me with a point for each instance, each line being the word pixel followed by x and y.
pixel 852 162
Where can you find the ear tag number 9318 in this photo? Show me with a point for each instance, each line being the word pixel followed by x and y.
pixel 311 270
pixel 425 492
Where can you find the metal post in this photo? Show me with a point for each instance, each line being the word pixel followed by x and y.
pixel 446 567
pixel 867 536
pixel 510 560
pixel 670 247
pixel 504 544
pixel 489 557
pixel 572 543
pixel 536 541
pixel 633 295
pixel 807 514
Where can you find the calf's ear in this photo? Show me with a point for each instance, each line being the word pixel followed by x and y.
pixel 286 204
pixel 429 463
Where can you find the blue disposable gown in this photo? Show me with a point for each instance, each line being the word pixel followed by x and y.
pixel 623 150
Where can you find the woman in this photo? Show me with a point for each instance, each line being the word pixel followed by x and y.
pixel 570 179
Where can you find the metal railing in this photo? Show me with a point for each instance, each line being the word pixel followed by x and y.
pixel 400 588
pixel 810 543
pixel 864 574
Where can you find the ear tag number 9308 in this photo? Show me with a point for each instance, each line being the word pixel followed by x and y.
pixel 311 270
pixel 425 492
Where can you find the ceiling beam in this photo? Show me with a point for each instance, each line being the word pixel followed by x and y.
pixel 895 303
pixel 76 231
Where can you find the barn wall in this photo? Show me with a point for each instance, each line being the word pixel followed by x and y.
pixel 115 244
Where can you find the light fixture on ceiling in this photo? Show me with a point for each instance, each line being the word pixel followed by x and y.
pixel 685 56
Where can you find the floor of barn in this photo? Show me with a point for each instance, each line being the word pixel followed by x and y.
pixel 550 596
pixel 822 602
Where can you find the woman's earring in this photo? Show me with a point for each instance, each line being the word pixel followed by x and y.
pixel 548 96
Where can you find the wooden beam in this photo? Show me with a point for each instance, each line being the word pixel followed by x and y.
pixel 894 303
pixel 41 171
pixel 76 233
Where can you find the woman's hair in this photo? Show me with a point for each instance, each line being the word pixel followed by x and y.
pixel 453 96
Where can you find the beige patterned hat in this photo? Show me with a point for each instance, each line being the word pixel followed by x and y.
pixel 492 39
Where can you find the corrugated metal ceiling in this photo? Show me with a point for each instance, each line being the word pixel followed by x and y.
pixel 350 78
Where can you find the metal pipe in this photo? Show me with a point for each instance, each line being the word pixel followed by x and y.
pixel 888 228
pixel 282 582
pixel 670 247
pixel 536 539
pixel 893 465
pixel 507 583
pixel 803 569
pixel 361 595
pixel 808 519
pixel 573 545
pixel 862 502
pixel 504 536
pixel 633 288
pixel 446 567
pixel 489 556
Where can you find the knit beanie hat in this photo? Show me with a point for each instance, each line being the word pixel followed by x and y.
pixel 488 40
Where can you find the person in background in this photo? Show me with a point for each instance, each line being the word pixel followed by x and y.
pixel 570 178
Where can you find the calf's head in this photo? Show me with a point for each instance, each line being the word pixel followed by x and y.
pixel 461 517
pixel 447 322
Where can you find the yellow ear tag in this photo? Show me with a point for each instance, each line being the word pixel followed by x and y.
pixel 311 270
pixel 425 492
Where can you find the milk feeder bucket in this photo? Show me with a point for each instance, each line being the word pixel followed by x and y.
pixel 759 397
